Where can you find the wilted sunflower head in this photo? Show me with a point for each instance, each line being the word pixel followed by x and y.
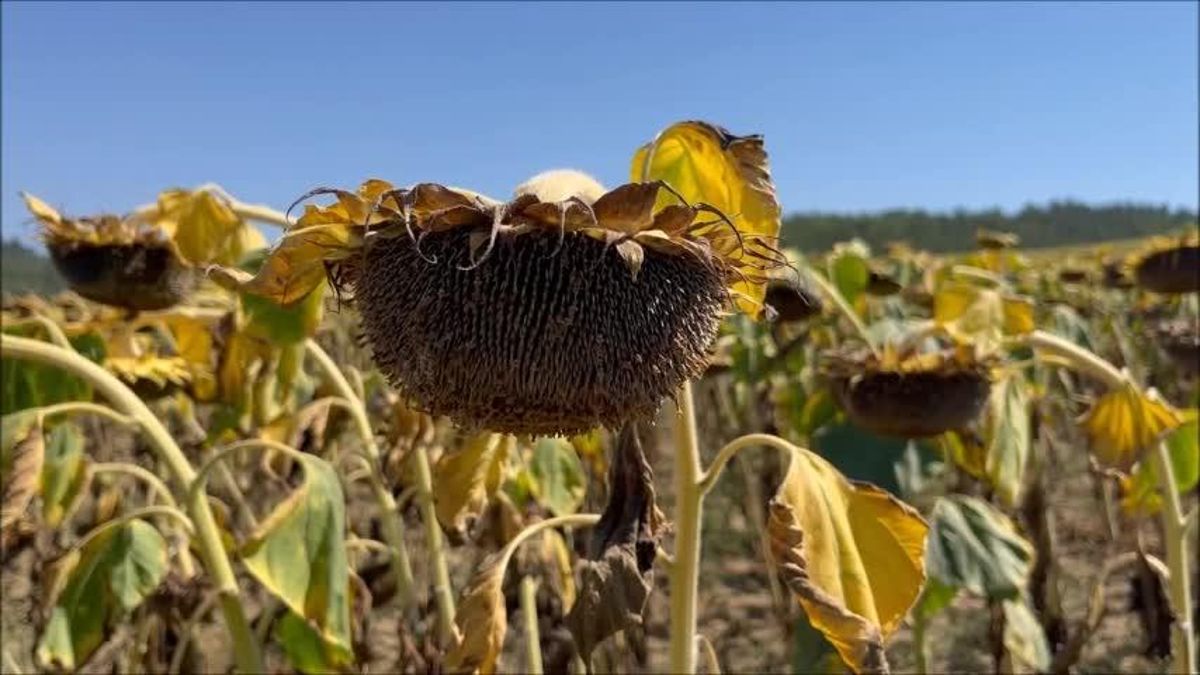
pixel 113 260
pixel 1169 265
pixel 989 239
pixel 1180 339
pixel 792 297
pixel 909 394
pixel 564 308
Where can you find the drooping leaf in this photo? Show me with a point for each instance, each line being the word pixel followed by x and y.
pixel 65 473
pixel 299 554
pixel 707 164
pixel 558 476
pixel 1026 648
pixel 974 547
pixel 22 453
pixel 616 577
pixel 481 619
pixel 296 265
pixel 1140 494
pixel 850 552
pixel 93 588
pixel 812 652
pixel 464 480
pixel 1008 436
pixel 971 312
pixel 1123 423
pixel 281 323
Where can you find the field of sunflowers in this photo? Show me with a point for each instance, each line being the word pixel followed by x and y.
pixel 592 429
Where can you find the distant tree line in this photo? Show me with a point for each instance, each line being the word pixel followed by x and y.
pixel 1056 224
pixel 23 270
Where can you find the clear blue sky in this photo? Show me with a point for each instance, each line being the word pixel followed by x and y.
pixel 864 106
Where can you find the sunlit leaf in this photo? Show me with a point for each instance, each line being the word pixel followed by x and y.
pixel 296 265
pixel 95 588
pixel 1008 436
pixel 281 323
pixel 707 164
pixel 851 553
pixel 306 650
pixel 849 270
pixel 464 480
pixel 299 554
pixel 1123 423
pixel 974 547
pixel 65 473
pixel 971 312
pixel 1140 492
pixel 204 227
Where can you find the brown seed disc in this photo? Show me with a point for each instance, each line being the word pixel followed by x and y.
pixel 547 335
pixel 912 405
pixel 1181 341
pixel 132 276
pixel 1175 270
pixel 792 300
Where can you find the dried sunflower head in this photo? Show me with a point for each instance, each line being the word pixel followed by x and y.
pixel 988 239
pixel 116 261
pixel 562 309
pixel 151 377
pixel 907 394
pixel 1169 265
pixel 792 297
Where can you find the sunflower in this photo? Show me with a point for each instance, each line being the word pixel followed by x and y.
pixel 910 394
pixel 1169 265
pixel 146 260
pixel 566 307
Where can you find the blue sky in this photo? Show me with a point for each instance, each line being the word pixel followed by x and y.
pixel 864 106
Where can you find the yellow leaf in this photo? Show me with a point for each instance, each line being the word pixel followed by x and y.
pixel 464 480
pixel 852 554
pixel 707 164
pixel 297 265
pixel 972 313
pixel 481 619
pixel 1125 422
pixel 204 227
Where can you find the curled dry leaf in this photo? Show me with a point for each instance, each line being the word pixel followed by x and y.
pixel 481 619
pixel 616 579
pixel 851 553
pixel 464 480
pixel 22 453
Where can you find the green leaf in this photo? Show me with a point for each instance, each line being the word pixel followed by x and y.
pixel 1008 436
pixel 305 649
pixel 281 324
pixel 24 384
pixel 848 269
pixel 1140 491
pixel 935 597
pixel 64 474
pixel 93 589
pixel 974 547
pixel 299 553
pixel 558 475
pixel 1025 644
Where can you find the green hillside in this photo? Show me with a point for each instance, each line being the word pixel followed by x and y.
pixel 23 270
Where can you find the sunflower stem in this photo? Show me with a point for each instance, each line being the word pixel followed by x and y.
pixel 844 307
pixel 533 647
pixel 685 572
pixel 443 593
pixel 389 515
pixel 1183 649
pixel 247 651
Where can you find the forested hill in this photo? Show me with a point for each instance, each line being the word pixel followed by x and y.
pixel 1057 224
pixel 24 270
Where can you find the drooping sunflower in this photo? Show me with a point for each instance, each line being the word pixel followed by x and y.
pixel 905 393
pixel 1169 265
pixel 146 260
pixel 564 308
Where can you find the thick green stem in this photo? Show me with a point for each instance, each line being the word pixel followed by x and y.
pixel 685 572
pixel 1183 649
pixel 389 516
pixel 247 653
pixel 533 641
